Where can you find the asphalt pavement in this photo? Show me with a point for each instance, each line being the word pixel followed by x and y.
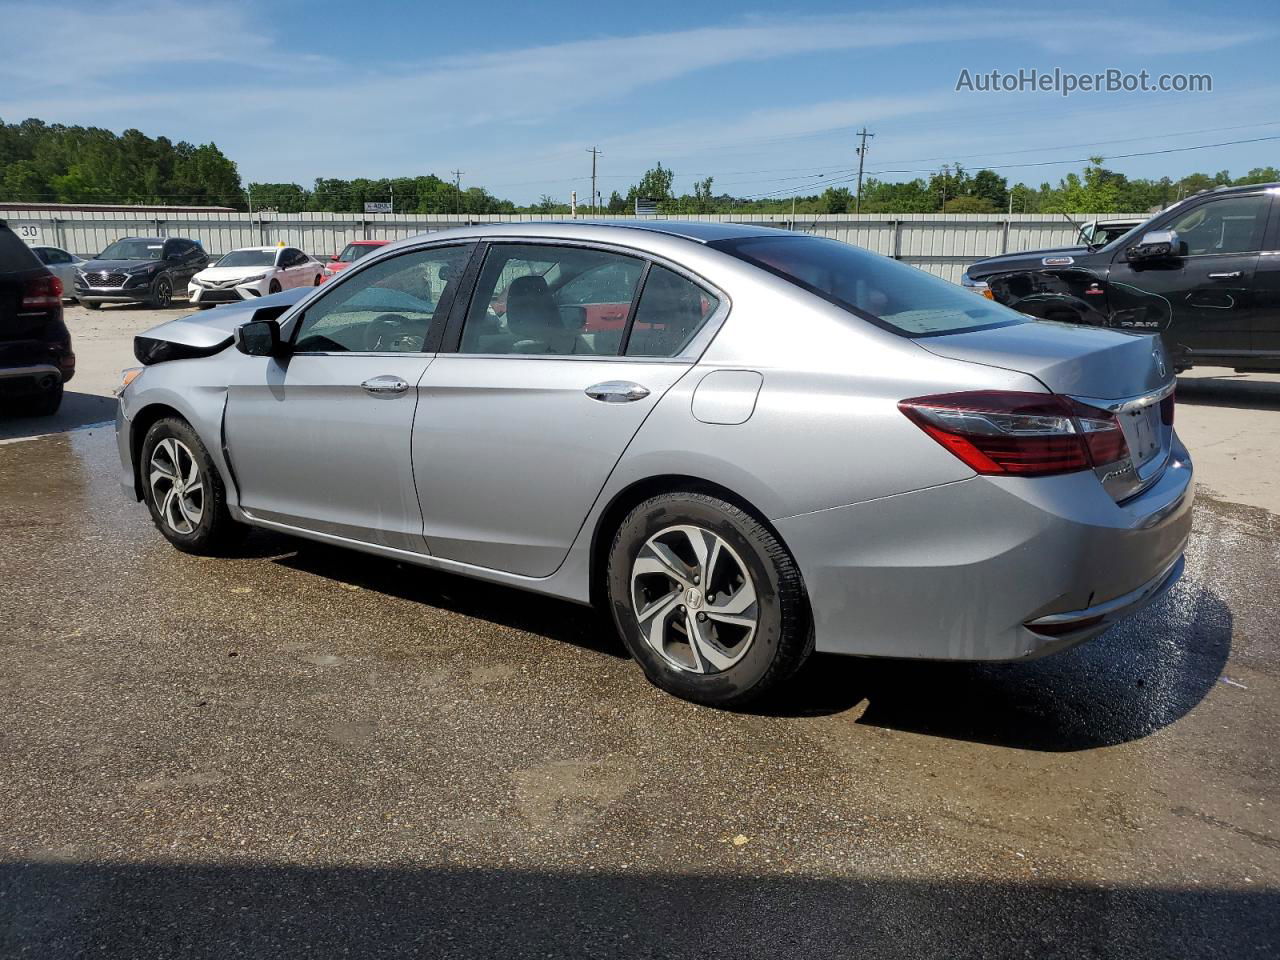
pixel 297 751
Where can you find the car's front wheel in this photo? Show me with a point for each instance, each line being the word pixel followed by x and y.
pixel 707 599
pixel 183 490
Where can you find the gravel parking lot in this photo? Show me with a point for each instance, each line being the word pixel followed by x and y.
pixel 299 751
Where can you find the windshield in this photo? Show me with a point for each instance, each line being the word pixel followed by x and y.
pixel 133 250
pixel 900 298
pixel 1124 238
pixel 248 258
pixel 354 251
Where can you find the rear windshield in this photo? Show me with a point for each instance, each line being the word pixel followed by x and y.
pixel 248 258
pixel 900 298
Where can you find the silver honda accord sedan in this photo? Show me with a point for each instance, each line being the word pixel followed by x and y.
pixel 744 443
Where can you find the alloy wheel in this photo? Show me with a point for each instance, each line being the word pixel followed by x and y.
pixel 694 599
pixel 164 293
pixel 177 488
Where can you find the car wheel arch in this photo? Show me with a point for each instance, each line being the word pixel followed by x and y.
pixel 140 424
pixel 635 493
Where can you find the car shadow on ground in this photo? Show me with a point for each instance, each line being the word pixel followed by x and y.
pixel 77 410
pixel 1230 390
pixel 59 908
pixel 518 609
pixel 1140 676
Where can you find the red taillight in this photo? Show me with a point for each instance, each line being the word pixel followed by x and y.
pixel 1026 434
pixel 41 293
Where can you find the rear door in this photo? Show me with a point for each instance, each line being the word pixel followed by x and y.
pixel 522 420
pixel 1265 342
pixel 320 439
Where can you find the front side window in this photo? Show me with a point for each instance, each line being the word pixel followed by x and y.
pixel 1229 225
pixel 902 299
pixel 551 300
pixel 388 308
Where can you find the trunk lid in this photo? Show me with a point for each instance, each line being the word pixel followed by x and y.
pixel 1127 375
pixel 1067 358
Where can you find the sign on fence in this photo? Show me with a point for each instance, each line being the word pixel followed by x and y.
pixel 29 232
pixel 378 206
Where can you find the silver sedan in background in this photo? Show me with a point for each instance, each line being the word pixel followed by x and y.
pixel 744 443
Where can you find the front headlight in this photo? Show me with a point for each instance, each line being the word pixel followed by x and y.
pixel 256 279
pixel 977 286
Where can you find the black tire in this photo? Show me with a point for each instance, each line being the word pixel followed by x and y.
pixel 215 530
pixel 783 637
pixel 273 287
pixel 90 305
pixel 45 403
pixel 319 277
pixel 161 293
pixel 205 306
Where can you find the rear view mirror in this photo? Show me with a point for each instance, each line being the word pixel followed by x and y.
pixel 258 338
pixel 1156 245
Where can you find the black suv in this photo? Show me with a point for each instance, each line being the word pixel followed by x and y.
pixel 1203 274
pixel 140 270
pixel 35 347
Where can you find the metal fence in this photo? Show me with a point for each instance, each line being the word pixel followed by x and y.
pixel 943 244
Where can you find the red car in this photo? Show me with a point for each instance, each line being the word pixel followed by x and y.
pixel 352 252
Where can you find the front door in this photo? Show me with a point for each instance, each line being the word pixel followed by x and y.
pixel 320 439
pixel 518 430
pixel 1203 303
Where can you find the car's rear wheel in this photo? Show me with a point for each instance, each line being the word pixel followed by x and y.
pixel 183 489
pixel 707 600
pixel 45 403
pixel 161 293
pixel 319 277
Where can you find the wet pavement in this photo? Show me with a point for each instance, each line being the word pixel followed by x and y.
pixel 299 751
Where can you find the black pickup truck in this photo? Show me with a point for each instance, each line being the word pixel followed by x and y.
pixel 1203 274
pixel 35 347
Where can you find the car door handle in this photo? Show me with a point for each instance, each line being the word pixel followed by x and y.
pixel 1234 274
pixel 384 386
pixel 617 391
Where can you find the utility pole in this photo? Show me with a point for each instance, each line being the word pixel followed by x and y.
pixel 946 175
pixel 392 188
pixel 594 153
pixel 457 183
pixel 862 156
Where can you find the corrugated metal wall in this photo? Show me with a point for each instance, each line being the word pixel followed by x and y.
pixel 940 243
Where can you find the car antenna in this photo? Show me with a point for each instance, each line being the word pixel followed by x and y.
pixel 1079 229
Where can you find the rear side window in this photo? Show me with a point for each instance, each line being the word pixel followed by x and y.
pixel 671 311
pixel 892 295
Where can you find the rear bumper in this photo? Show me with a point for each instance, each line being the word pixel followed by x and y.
pixel 27 380
pixel 990 568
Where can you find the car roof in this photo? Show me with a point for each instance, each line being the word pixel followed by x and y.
pixel 367 243
pixel 603 230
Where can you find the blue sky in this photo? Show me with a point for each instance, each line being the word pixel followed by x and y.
pixel 765 99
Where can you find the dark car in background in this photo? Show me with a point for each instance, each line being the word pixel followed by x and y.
pixel 36 358
pixel 1204 275
pixel 140 270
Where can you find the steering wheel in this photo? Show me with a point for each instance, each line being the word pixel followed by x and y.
pixel 384 325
